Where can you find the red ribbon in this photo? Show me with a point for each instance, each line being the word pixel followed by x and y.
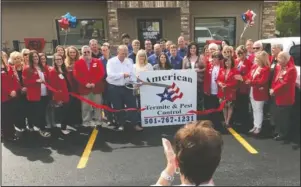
pixel 93 103
pixel 204 112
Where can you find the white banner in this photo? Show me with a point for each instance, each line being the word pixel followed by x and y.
pixel 168 106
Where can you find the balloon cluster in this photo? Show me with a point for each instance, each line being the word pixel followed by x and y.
pixel 67 21
pixel 248 17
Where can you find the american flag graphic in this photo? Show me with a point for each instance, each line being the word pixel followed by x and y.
pixel 171 93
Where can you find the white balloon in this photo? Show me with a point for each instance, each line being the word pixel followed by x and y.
pixel 253 17
pixel 84 22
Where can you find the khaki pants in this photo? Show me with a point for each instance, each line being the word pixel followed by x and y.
pixel 88 112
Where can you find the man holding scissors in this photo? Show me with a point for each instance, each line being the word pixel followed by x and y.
pixel 120 71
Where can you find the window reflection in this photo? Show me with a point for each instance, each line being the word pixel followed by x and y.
pixel 214 29
pixel 85 30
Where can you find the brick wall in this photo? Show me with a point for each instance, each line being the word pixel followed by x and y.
pixel 114 32
pixel 268 27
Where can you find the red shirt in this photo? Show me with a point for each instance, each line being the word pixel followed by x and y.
pixel 283 84
pixel 94 74
pixel 229 92
pixel 259 82
pixel 9 83
pixel 243 69
pixel 58 82
pixel 30 77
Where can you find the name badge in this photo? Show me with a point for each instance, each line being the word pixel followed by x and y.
pixel 2 71
pixel 94 65
pixel 61 76
pixel 273 65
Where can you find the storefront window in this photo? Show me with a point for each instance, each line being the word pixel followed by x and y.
pixel 85 30
pixel 214 29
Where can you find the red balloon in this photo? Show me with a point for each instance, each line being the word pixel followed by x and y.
pixel 64 23
pixel 249 16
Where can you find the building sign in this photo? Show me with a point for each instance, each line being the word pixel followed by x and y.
pixel 149 29
pixel 37 44
pixel 170 105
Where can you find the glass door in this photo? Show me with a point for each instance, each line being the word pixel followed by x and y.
pixel 149 29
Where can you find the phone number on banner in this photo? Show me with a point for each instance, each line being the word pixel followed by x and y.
pixel 181 119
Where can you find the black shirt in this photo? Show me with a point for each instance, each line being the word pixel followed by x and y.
pixel 20 77
pixel 272 71
pixel 98 55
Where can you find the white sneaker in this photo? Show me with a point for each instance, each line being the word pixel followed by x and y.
pixel 121 128
pixel 100 123
pixel 257 131
pixel 65 132
pixel 89 124
pixel 252 130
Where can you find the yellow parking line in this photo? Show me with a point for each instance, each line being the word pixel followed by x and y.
pixel 85 156
pixel 242 141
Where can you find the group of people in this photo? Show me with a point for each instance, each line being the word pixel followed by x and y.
pixel 238 76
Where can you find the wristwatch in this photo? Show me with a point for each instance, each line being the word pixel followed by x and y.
pixel 167 177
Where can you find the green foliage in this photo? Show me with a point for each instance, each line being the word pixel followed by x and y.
pixel 288 18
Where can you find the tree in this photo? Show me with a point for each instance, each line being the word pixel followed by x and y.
pixel 288 18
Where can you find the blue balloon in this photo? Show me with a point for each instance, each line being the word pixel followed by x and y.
pixel 243 17
pixel 68 16
pixel 73 22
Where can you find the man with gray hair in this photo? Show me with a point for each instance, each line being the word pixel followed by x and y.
pixel 153 58
pixel 182 48
pixel 89 73
pixel 95 48
pixel 283 89
pixel 120 71
pixel 276 48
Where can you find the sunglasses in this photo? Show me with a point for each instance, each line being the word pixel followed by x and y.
pixel 256 48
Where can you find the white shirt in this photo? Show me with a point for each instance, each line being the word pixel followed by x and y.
pixel 138 69
pixel 116 70
pixel 214 87
pixel 43 87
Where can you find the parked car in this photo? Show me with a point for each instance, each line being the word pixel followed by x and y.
pixel 202 34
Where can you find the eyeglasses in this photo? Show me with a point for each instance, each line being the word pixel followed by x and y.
pixel 86 52
pixel 58 59
pixel 256 48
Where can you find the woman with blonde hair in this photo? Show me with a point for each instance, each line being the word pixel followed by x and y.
pixel 258 79
pixel 19 68
pixel 21 101
pixel 227 51
pixel 25 53
pixel 140 66
pixel 243 67
pixel 142 63
pixel 72 55
pixel 9 88
pixel 61 51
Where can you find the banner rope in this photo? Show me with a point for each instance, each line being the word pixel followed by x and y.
pixel 109 109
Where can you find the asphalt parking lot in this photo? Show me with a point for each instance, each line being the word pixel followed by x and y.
pixel 128 158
